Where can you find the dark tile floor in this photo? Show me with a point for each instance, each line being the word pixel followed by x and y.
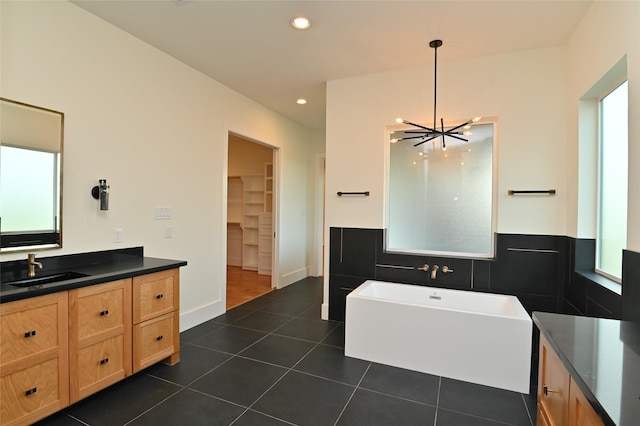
pixel 273 361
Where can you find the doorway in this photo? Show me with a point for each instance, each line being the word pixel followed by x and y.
pixel 250 220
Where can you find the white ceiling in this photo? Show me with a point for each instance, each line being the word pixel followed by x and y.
pixel 250 47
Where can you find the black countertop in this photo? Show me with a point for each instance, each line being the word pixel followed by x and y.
pixel 99 267
pixel 603 357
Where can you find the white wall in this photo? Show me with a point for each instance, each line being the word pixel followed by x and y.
pixel 608 32
pixel 526 91
pixel 157 131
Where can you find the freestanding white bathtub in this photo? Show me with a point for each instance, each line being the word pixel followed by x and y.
pixel 475 337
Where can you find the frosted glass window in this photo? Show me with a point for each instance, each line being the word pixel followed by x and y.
pixel 612 200
pixel 30 193
pixel 441 201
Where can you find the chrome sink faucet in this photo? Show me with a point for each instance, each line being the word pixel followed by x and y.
pixel 31 260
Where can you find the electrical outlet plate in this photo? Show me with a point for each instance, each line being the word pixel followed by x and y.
pixel 117 235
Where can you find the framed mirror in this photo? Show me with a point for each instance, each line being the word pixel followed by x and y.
pixel 442 201
pixel 31 142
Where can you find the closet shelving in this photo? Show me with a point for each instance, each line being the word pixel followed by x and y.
pixel 253 198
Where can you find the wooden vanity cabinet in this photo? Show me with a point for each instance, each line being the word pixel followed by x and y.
pixel 34 366
pixel 99 337
pixel 59 348
pixel 156 320
pixel 560 401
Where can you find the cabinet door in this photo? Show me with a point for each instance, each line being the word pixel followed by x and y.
pixel 541 418
pixel 553 385
pixel 155 294
pixel 581 413
pixel 99 337
pixel 34 362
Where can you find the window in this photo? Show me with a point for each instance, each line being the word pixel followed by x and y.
pixel 612 182
pixel 30 208
pixel 441 202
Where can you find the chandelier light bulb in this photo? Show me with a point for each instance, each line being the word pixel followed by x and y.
pixel 426 133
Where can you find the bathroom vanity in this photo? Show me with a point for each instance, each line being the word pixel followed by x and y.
pixel 589 372
pixel 65 340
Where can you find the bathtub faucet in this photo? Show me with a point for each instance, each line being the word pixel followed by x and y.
pixel 445 270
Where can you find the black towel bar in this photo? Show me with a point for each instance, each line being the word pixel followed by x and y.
pixel 546 191
pixel 363 193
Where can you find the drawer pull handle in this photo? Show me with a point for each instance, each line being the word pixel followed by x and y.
pixel 160 296
pixel 547 391
pixel 104 361
pixel 30 333
pixel 104 313
pixel 31 391
pixel 159 338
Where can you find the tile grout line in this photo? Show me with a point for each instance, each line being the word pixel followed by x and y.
pixel 526 406
pixel 288 369
pixel 155 405
pixel 355 389
pixel 426 404
pixel 435 417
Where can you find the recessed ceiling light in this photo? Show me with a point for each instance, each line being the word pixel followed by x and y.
pixel 300 23
pixel 301 101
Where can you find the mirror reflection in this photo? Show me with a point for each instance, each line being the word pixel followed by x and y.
pixel 441 200
pixel 31 141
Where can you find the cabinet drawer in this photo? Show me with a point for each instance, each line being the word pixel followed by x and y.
pixel 32 393
pixel 553 385
pixel 99 308
pixel 155 340
pixel 155 294
pixel 32 327
pixel 99 365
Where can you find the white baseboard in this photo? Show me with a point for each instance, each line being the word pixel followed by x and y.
pixel 324 313
pixel 294 276
pixel 202 314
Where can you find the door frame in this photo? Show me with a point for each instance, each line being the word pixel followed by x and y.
pixel 275 274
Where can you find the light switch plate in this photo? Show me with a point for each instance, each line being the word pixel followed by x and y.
pixel 162 213
pixel 117 235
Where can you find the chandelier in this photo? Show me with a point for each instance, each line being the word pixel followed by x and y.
pixel 426 134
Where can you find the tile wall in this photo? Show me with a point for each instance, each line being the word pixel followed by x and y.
pixel 546 272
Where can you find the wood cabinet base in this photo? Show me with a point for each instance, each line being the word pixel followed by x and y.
pixel 59 348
